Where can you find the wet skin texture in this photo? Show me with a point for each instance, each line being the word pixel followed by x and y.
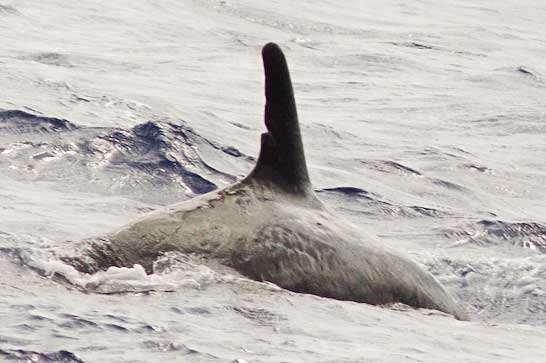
pixel 272 227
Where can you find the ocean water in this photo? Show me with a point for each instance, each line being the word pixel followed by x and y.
pixel 424 124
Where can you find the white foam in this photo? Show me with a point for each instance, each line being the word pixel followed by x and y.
pixel 173 271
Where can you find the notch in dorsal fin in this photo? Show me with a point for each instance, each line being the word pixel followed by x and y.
pixel 282 160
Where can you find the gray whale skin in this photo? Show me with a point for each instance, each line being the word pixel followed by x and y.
pixel 271 227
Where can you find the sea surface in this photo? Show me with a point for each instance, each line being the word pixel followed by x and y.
pixel 424 124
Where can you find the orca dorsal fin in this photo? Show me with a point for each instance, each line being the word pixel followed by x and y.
pixel 282 160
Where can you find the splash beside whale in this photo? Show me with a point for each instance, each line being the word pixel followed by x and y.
pixel 271 226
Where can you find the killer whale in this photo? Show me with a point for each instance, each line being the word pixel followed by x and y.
pixel 271 226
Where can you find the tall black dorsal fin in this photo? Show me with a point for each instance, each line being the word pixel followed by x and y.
pixel 282 160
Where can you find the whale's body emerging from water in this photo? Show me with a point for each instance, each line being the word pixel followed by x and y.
pixel 271 226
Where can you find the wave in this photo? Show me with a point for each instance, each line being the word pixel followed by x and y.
pixel 416 45
pixel 530 74
pixel 530 235
pixel 20 355
pixel 391 167
pixel 154 160
pixel 171 271
pixel 8 9
pixel 497 289
pixel 357 200
pixel 21 122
